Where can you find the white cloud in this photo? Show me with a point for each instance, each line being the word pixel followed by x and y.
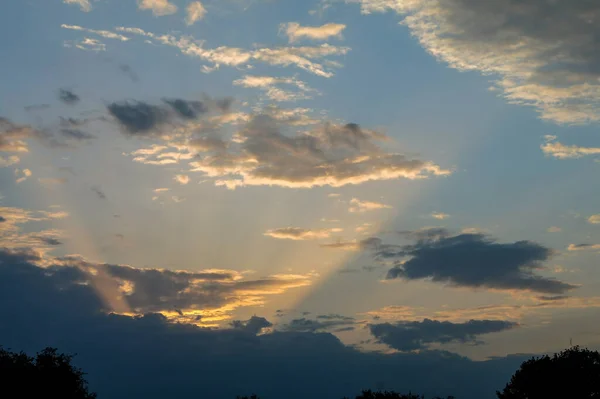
pixel 195 11
pixel 269 84
pixel 294 31
pixel 83 4
pixel 562 151
pixel 543 53
pixel 87 44
pixel 440 215
pixel 594 219
pixel 182 179
pixel 159 7
pixel 299 234
pixel 104 33
pixel 304 57
pixel 161 190
pixel 358 206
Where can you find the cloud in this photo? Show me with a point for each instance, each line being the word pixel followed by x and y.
pixel 195 11
pixel 371 243
pixel 440 215
pixel 322 323
pixel 9 161
pixel 542 306
pixel 161 190
pixel 474 260
pixel 330 154
pixel 544 54
pixel 583 247
pixel 25 174
pixel 419 335
pixel 40 241
pixel 103 33
pixel 255 325
pixel 127 70
pixel 562 151
pixel 358 206
pixel 13 136
pixel 306 58
pixel 298 234
pixel 270 84
pixel 69 313
pixel 594 219
pixel 68 97
pixel 182 179
pixel 139 118
pixel 159 7
pixel 294 31
pixel 98 191
pixel 86 44
pixel 83 4
pixel 554 229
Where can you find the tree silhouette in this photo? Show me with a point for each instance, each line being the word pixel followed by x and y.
pixel 573 373
pixel 390 395
pixel 49 374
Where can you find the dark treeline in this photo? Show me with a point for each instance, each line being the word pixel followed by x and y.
pixel 573 373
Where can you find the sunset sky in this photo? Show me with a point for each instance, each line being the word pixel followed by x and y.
pixel 413 178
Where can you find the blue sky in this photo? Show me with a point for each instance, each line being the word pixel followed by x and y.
pixel 384 161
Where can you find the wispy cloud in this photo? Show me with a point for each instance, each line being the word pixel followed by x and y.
pixel 294 31
pixel 270 85
pixel 358 206
pixel 299 234
pixel 83 4
pixel 103 33
pixel 594 219
pixel 159 7
pixel 583 247
pixel 440 215
pixel 195 12
pixel 562 151
pixel 182 179
pixel 307 58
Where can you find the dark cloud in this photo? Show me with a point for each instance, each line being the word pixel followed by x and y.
pixel 419 335
pixel 138 117
pixel 68 97
pixel 98 192
pixel 145 119
pixel 331 323
pixel 253 326
pixel 129 72
pixel 330 154
pixel 474 260
pixel 148 357
pixel 187 109
pixel 2 219
pixel 76 134
pixel 545 53
pixel 49 240
pixel 36 107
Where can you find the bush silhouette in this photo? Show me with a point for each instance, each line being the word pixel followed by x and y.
pixel 49 374
pixel 573 373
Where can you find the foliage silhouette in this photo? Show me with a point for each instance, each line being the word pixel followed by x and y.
pixel 573 373
pixel 390 395
pixel 49 374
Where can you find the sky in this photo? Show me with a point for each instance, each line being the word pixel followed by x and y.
pixel 294 197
